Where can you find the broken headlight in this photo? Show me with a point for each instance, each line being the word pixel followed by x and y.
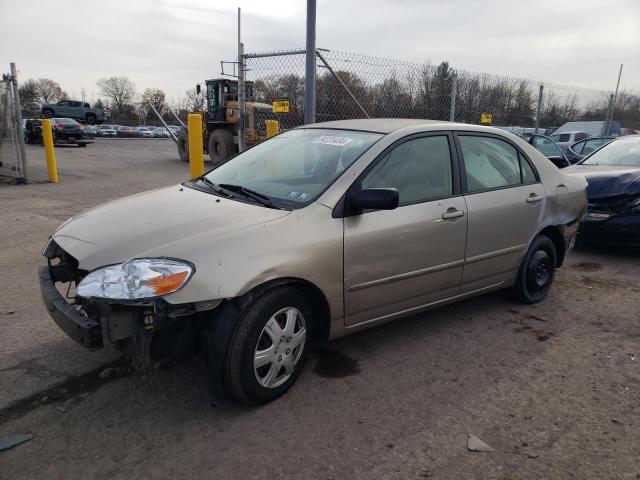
pixel 138 279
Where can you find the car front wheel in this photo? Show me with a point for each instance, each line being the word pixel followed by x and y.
pixel 537 271
pixel 269 346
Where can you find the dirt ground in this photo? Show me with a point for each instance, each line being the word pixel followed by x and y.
pixel 554 388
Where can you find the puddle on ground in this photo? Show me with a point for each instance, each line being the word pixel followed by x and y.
pixel 334 364
pixel 587 266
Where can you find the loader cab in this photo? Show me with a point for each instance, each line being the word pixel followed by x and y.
pixel 220 92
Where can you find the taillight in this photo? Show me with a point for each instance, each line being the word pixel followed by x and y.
pixel 59 126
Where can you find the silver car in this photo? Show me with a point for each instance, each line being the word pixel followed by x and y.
pixel 316 233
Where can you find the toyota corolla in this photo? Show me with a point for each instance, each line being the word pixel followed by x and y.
pixel 319 232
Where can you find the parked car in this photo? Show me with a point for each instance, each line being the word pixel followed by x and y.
pixel 613 175
pixel 74 109
pixel 548 148
pixel 67 130
pixel 91 131
pixel 577 151
pixel 145 132
pixel 564 139
pixel 107 131
pixel 32 130
pixel 127 132
pixel 322 231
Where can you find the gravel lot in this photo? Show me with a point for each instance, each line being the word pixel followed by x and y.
pixel 554 388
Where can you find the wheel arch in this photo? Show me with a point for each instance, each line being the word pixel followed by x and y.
pixel 319 301
pixel 553 232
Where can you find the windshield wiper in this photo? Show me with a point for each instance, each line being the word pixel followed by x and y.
pixel 247 192
pixel 213 186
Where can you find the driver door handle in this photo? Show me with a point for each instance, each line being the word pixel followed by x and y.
pixel 533 198
pixel 451 213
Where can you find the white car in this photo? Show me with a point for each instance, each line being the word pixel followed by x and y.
pixel 564 139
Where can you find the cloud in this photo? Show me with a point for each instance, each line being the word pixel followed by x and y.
pixel 172 45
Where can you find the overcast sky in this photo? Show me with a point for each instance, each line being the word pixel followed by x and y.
pixel 174 44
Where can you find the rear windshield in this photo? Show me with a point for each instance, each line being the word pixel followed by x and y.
pixel 66 121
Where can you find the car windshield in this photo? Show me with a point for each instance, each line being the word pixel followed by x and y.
pixel 623 152
pixel 295 167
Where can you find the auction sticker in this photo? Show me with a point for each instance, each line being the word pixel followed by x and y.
pixel 333 140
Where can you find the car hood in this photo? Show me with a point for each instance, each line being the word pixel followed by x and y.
pixel 155 223
pixel 608 180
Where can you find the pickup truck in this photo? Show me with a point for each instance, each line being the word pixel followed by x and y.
pixel 74 109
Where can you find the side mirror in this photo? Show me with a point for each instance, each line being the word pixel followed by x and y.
pixel 198 88
pixel 374 199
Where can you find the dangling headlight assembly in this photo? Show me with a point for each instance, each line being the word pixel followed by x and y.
pixel 139 279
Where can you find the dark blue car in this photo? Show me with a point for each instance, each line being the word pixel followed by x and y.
pixel 578 150
pixel 613 191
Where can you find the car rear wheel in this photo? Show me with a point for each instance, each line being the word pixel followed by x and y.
pixel 536 273
pixel 221 146
pixel 91 118
pixel 183 144
pixel 269 346
pixel 48 113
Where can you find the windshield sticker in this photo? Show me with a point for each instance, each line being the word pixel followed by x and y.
pixel 297 195
pixel 333 140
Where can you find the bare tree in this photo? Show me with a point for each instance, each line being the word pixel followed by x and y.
pixel 194 101
pixel 153 97
pixel 49 90
pixel 120 90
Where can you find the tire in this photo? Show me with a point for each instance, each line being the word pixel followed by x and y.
pixel 220 146
pixel 91 118
pixel 183 144
pixel 48 113
pixel 283 358
pixel 536 273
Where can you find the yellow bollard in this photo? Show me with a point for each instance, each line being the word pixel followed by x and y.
pixel 273 127
pixel 49 152
pixel 196 151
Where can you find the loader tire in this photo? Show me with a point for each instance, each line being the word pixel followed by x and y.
pixel 183 144
pixel 221 146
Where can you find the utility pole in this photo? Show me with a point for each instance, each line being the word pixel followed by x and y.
pixel 613 102
pixel 310 67
pixel 241 89
pixel 539 109
pixel 454 94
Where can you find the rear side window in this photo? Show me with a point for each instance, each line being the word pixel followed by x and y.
pixel 492 163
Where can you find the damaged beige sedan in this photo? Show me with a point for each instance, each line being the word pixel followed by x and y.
pixel 316 233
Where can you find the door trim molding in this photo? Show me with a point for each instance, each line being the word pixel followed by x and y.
pixel 404 276
pixel 495 253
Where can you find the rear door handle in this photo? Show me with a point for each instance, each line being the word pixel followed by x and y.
pixel 451 213
pixel 533 198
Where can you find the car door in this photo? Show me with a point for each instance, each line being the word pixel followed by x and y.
pixel 398 260
pixel 505 201
pixel 62 108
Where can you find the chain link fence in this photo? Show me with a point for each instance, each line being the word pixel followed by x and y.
pixel 348 83
pixel 12 150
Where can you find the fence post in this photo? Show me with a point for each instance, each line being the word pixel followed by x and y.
pixel 22 161
pixel 539 109
pixel 49 152
pixel 241 90
pixel 196 151
pixel 606 127
pixel 310 65
pixel 454 94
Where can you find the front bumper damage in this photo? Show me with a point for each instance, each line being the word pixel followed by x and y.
pixel 143 331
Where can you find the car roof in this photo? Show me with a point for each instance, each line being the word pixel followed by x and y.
pixel 388 125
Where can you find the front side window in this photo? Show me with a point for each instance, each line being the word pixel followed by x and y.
pixel 420 169
pixel 292 169
pixel 593 145
pixel 492 163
